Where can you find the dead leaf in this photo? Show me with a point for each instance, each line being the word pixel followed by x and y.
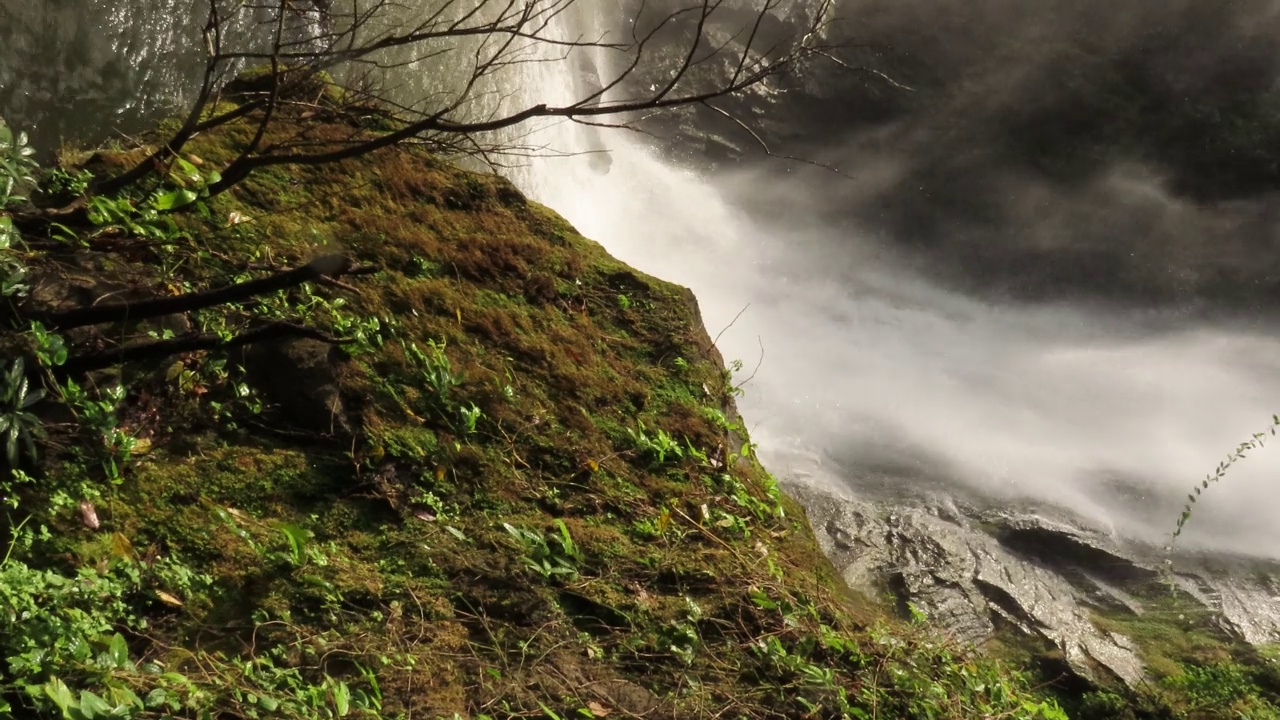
pixel 89 515
pixel 174 370
pixel 597 709
pixel 121 547
pixel 168 599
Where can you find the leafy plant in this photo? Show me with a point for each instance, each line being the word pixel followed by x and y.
pixel 680 637
pixel 16 165
pixel 1255 442
pixel 657 445
pixel 19 428
pixel 434 367
pixel 65 182
pixel 50 349
pixel 13 272
pixel 121 215
pixel 114 445
pixel 469 415
pixel 557 556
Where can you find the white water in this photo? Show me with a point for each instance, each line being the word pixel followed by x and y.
pixel 874 379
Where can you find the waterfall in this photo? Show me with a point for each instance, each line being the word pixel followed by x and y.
pixel 872 376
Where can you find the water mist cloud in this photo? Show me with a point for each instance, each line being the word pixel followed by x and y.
pixel 1019 161
pixel 875 378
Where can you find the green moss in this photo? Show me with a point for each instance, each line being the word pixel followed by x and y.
pixel 679 585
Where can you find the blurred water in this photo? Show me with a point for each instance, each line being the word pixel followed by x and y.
pixel 870 376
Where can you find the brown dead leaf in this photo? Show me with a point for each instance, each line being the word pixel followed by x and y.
pixel 89 515
pixel 121 547
pixel 168 599
pixel 597 709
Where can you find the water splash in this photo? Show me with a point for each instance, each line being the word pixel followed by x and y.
pixel 874 378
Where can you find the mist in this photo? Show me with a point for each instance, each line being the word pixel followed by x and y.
pixel 1044 276
pixel 957 314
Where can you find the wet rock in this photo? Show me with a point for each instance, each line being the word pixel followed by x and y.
pixel 1245 595
pixel 967 580
pixel 300 377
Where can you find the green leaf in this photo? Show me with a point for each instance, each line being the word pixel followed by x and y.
pixel 11 447
pixel 342 699
pixel 34 396
pixel 118 649
pixel 156 698
pixel 92 706
pixel 60 694
pixel 297 538
pixel 173 199
pixel 183 172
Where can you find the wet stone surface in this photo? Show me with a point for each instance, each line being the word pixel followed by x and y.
pixel 973 572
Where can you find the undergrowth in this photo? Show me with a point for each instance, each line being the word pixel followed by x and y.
pixel 514 485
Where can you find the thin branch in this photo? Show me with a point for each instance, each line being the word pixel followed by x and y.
pixel 323 266
pixel 731 322
pixel 88 362
pixel 765 146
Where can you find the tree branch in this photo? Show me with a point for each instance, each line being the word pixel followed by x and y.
pixel 321 267
pixel 88 362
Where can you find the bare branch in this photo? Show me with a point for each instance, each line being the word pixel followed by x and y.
pixel 681 55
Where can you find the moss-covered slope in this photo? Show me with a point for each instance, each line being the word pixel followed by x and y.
pixel 517 488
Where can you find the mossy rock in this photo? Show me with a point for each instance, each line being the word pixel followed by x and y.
pixel 508 495
pixel 300 84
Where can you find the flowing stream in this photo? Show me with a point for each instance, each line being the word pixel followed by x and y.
pixel 869 376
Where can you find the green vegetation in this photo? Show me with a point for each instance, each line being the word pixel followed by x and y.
pixel 477 484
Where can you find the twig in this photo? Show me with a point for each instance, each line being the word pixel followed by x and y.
pixel 759 362
pixel 190 343
pixel 731 322
pixel 324 266
pixel 768 150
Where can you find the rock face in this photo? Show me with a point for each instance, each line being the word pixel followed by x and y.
pixel 1245 597
pixel 978 572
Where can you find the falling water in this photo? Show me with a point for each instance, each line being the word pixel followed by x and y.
pixel 871 377
pixel 868 375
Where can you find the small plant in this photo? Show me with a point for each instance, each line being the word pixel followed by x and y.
pixel 50 349
pixel 13 273
pixel 470 415
pixel 434 367
pixel 115 446
pixel 1255 442
pixel 657 445
pixel 66 182
pixel 16 165
pixel 680 638
pixel 556 556
pixel 624 302
pixel 189 185
pixel 19 428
